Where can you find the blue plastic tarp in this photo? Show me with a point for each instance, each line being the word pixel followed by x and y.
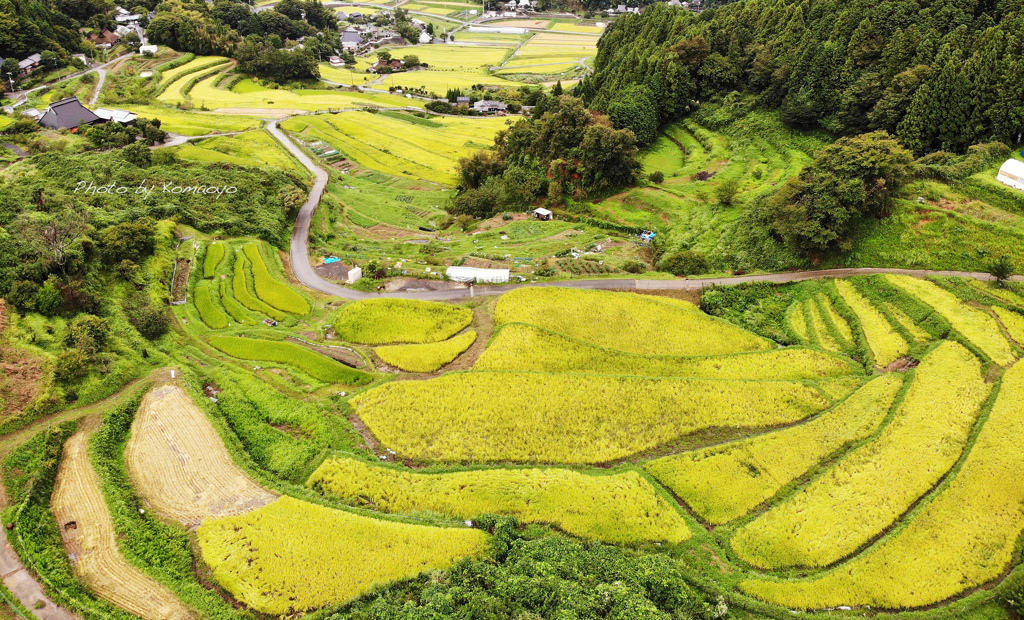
pixel 328 261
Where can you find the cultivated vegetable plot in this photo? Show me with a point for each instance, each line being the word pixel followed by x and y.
pixel 178 463
pixel 269 289
pixel 426 357
pixel 622 508
pixel 534 417
pixel 964 538
pixel 886 344
pixel 292 555
pixel 525 347
pixel 315 365
pixel 725 482
pixel 627 322
pixel 870 488
pixel 975 324
pixel 383 321
pixel 88 532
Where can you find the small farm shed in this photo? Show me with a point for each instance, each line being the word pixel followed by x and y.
pixel 543 214
pixel 478 274
pixel 1012 173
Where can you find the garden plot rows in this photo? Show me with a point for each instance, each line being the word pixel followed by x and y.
pixel 89 537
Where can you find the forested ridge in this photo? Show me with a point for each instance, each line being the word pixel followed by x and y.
pixel 935 75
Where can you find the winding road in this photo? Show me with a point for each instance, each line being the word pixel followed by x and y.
pixel 304 273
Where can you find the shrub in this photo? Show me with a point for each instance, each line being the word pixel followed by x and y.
pixel 149 321
pixel 657 177
pixel 684 263
pixel 634 266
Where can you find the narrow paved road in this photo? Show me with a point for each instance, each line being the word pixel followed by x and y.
pixel 99 85
pixel 304 273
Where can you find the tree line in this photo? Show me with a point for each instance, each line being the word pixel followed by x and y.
pixel 936 75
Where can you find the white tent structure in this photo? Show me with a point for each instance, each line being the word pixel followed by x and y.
pixel 1012 173
pixel 477 274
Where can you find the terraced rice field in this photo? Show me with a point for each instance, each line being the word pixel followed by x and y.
pixel 886 344
pixel 313 364
pixel 401 145
pixel 568 418
pixel 725 482
pixel 253 148
pixel 963 538
pixel 259 100
pixel 179 465
pixel 619 508
pixel 523 347
pixel 383 321
pixel 438 82
pixel 271 290
pixel 427 357
pixel 626 322
pixel 91 541
pixel 548 47
pixel 342 555
pixel 975 324
pixel 871 487
pixel 171 75
pixel 195 123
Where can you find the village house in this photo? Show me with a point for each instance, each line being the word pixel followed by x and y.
pixel 116 116
pixel 105 40
pixel 350 40
pixel 67 114
pixel 543 214
pixel 462 102
pixel 490 107
pixel 387 66
pixel 29 64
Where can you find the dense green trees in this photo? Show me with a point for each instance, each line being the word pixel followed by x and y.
pixel 852 178
pixel 47 228
pixel 551 577
pixel 564 151
pixel 935 75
